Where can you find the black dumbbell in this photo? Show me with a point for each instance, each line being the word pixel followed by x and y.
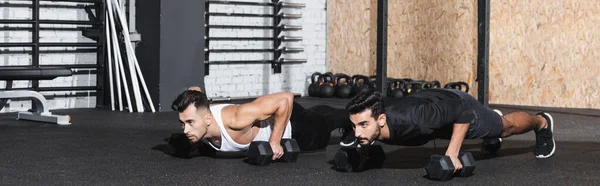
pixel 181 145
pixel 260 152
pixel 441 168
pixel 348 159
pixel 182 148
pixel 291 150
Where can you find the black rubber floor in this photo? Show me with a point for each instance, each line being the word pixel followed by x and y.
pixel 117 148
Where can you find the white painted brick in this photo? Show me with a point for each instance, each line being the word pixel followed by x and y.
pixel 229 87
pixel 20 13
pixel 248 80
pixel 239 87
pixel 224 80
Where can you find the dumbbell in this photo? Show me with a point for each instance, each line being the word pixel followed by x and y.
pixel 441 168
pixel 260 152
pixel 348 159
pixel 180 144
pixel 182 148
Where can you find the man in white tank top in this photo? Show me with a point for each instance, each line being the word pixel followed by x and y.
pixel 230 127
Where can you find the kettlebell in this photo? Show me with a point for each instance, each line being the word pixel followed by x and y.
pixel 415 86
pixel 327 85
pixel 399 88
pixel 391 86
pixel 457 85
pixel 373 82
pixel 360 86
pixel 466 85
pixel 314 87
pixel 343 89
pixel 432 84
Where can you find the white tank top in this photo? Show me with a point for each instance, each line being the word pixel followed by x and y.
pixel 228 145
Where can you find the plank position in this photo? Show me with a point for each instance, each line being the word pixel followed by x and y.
pixel 272 117
pixel 439 114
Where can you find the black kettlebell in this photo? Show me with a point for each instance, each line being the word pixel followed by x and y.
pixel 343 89
pixel 373 82
pixel 415 86
pixel 391 86
pixel 463 84
pixel 360 86
pixel 432 84
pixel 457 85
pixel 450 85
pixel 398 88
pixel 327 85
pixel 314 87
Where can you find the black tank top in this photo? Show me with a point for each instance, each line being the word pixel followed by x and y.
pixel 422 116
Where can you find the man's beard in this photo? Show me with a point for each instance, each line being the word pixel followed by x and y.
pixel 372 138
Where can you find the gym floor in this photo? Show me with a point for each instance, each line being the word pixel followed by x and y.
pixel 105 147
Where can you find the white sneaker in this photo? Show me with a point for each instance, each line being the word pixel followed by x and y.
pixel 499 112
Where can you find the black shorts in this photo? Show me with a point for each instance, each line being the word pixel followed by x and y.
pixel 484 122
pixel 312 127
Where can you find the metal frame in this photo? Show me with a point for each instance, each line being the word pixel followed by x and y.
pixel 275 14
pixel 6 28
pixel 277 51
pixel 18 5
pixel 78 50
pixel 282 4
pixel 206 37
pixel 382 23
pixel 284 38
pixel 40 111
pixel 283 61
pixel 483 44
pixel 103 98
pixel 283 27
pixel 230 99
pixel 35 44
pixel 483 48
pixel 277 61
pixel 276 65
pixel 35 39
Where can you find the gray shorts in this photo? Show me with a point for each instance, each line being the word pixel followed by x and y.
pixel 485 123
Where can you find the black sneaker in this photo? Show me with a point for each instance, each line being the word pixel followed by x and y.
pixel 348 138
pixel 491 145
pixel 545 144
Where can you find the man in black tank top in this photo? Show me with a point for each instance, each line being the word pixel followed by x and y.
pixel 439 114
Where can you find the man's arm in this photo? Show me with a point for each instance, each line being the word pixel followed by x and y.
pixel 459 132
pixel 278 105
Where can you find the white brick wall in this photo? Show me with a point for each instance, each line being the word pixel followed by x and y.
pixel 256 79
pixel 224 80
pixel 46 59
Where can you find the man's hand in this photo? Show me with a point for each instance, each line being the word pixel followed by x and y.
pixel 277 150
pixel 458 135
pixel 455 161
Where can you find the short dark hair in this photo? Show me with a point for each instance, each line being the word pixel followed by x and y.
pixel 366 100
pixel 188 97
